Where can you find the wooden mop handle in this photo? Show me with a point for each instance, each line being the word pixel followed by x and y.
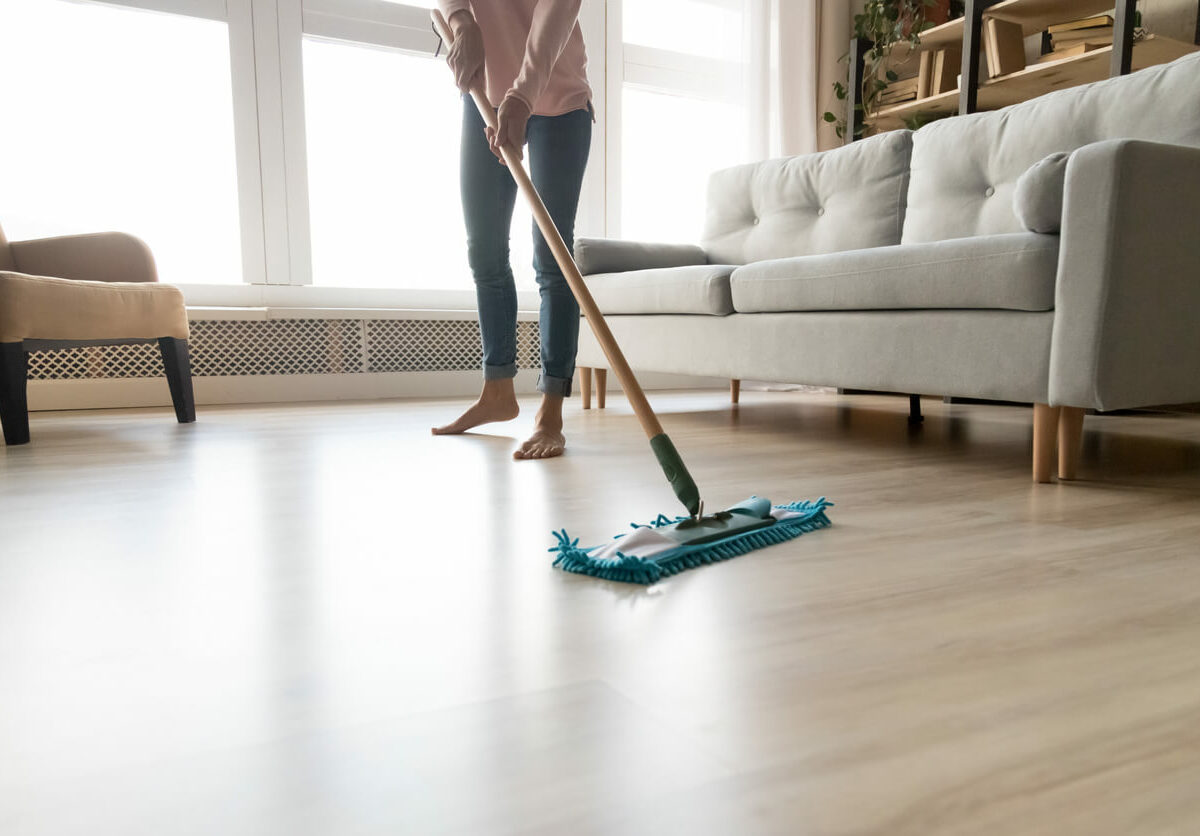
pixel 566 263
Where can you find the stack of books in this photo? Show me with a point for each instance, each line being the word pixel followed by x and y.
pixel 1079 36
pixel 899 92
pixel 939 71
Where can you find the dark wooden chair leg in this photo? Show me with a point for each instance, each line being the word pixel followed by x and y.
pixel 14 407
pixel 179 377
pixel 914 409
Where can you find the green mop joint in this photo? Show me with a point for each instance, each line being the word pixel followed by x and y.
pixel 753 524
pixel 676 472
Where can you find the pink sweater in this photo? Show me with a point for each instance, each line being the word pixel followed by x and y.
pixel 533 50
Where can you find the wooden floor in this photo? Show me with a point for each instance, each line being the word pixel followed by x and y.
pixel 320 620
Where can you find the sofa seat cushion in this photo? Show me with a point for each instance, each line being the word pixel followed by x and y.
pixel 1014 272
pixel 697 289
pixel 42 308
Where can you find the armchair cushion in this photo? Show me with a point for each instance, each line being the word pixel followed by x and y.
pixel 43 308
pixel 608 255
pixel 97 257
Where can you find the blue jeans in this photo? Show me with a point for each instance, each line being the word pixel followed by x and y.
pixel 557 153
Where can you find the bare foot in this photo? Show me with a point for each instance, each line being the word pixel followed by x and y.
pixel 497 403
pixel 547 440
pixel 543 444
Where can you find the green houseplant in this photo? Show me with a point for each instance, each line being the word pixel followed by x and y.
pixel 885 24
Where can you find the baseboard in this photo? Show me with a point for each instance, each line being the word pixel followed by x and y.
pixel 109 393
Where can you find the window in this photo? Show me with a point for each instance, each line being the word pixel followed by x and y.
pixel 121 119
pixel 383 129
pixel 684 112
pixel 670 144
pixel 709 28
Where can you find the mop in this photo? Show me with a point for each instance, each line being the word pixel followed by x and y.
pixel 668 545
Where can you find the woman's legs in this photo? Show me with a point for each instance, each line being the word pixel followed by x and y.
pixel 558 154
pixel 488 195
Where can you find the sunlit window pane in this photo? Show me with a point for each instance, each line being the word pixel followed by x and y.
pixel 666 160
pixel 383 139
pixel 711 28
pixel 118 119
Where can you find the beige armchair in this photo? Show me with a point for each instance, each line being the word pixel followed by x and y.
pixel 82 290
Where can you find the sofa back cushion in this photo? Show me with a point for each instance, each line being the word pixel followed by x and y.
pixel 965 169
pixel 6 258
pixel 850 198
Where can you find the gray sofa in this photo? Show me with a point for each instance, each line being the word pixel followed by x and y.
pixel 901 263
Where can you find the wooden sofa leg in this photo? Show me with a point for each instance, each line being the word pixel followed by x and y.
pixel 1070 442
pixel 178 366
pixel 735 391
pixel 1045 436
pixel 14 408
pixel 601 387
pixel 585 386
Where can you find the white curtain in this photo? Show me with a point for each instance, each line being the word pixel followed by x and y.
pixel 807 39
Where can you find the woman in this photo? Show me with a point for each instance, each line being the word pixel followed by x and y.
pixel 530 55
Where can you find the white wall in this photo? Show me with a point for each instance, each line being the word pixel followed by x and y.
pixel 1170 18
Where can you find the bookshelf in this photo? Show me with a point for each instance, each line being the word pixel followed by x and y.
pixel 1034 16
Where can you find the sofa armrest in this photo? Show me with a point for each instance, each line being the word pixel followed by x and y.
pixel 608 255
pixel 98 257
pixel 1127 301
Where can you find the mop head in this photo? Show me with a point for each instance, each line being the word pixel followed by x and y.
pixel 667 547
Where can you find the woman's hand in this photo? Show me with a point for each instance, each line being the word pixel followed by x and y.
pixel 511 120
pixel 466 55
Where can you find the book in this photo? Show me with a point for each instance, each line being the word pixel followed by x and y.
pixel 925 76
pixel 1094 34
pixel 1004 45
pixel 904 90
pixel 901 87
pixel 1081 48
pixel 947 64
pixel 1083 23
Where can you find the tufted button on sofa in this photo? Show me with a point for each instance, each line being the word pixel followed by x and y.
pixel 900 262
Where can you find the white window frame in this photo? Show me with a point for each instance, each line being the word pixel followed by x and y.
pixel 266 68
pixel 675 73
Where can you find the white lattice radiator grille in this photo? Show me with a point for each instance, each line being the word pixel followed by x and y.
pixel 294 346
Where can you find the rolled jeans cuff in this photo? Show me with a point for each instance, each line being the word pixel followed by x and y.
pixel 504 372
pixel 548 384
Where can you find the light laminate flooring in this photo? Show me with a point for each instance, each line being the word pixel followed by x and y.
pixel 319 619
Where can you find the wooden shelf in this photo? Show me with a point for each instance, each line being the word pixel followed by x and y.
pixel 1037 79
pixel 940 37
pixel 892 117
pixel 1035 15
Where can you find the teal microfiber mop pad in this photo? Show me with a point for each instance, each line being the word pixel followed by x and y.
pixel 666 547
